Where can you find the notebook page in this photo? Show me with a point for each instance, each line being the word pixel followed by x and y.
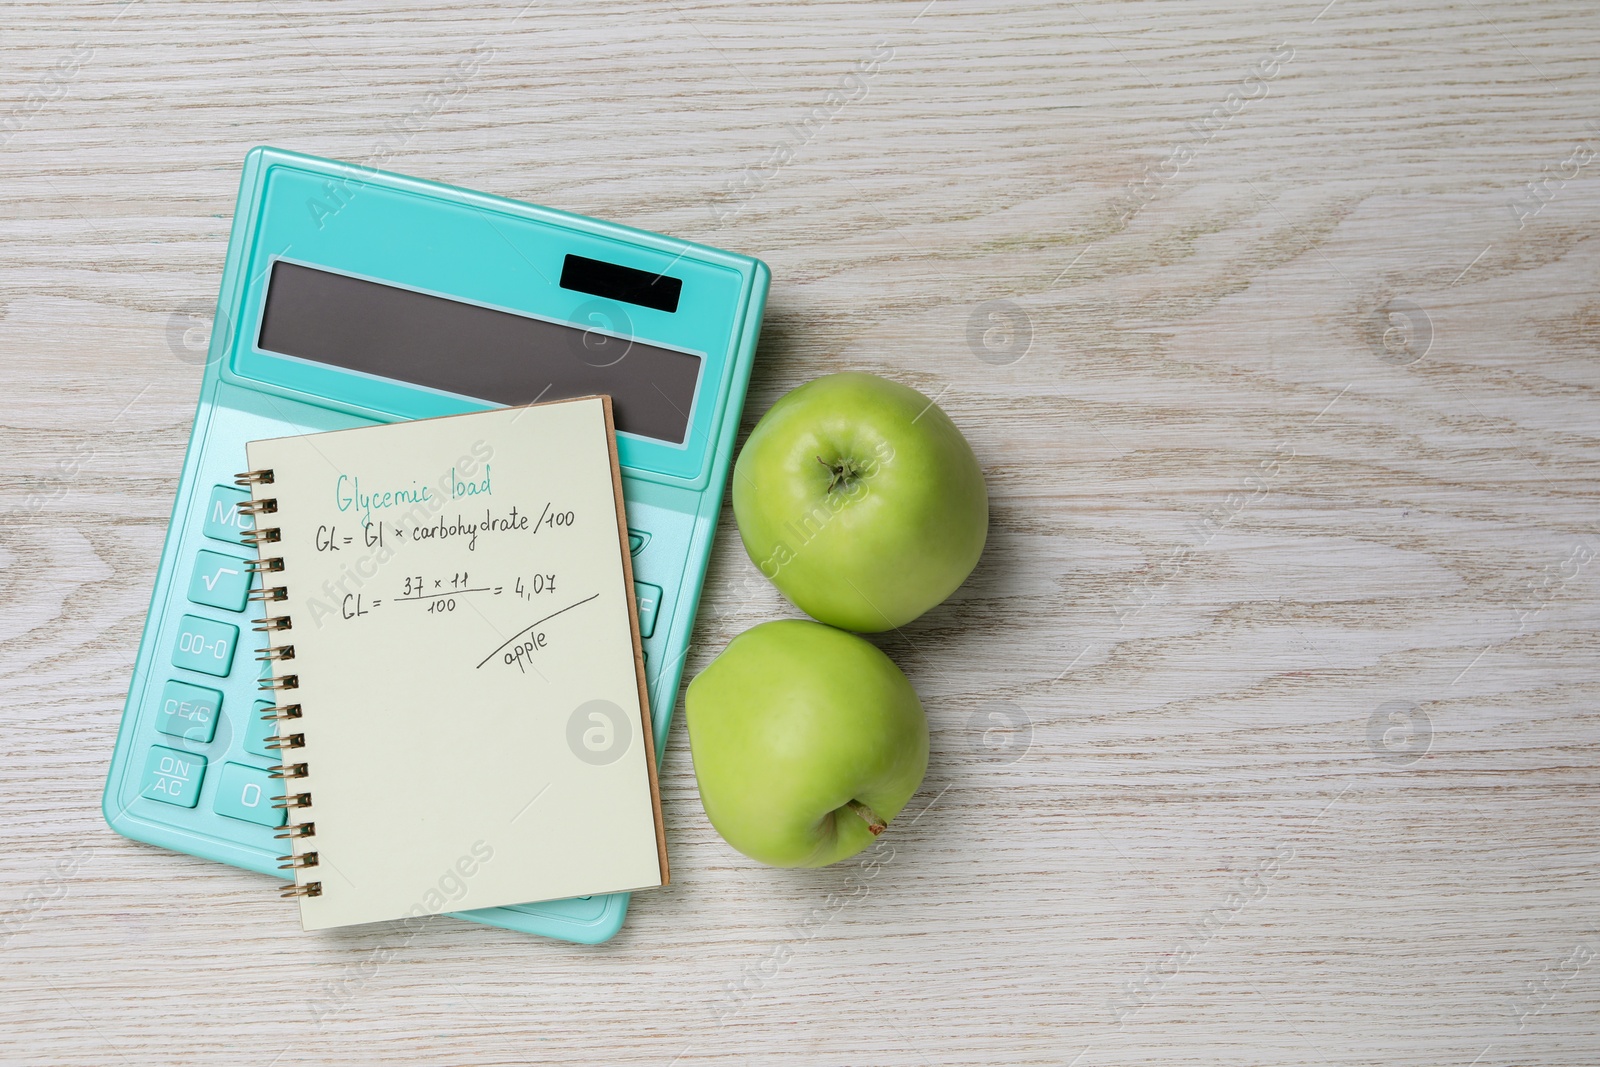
pixel 469 673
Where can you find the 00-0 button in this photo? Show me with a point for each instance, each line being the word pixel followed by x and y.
pixel 205 645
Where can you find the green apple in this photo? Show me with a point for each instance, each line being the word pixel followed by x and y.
pixel 861 501
pixel 806 742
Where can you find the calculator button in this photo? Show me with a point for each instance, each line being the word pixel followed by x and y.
pixel 649 599
pixel 258 731
pixel 223 520
pixel 219 581
pixel 637 539
pixel 173 777
pixel 246 793
pixel 189 712
pixel 205 645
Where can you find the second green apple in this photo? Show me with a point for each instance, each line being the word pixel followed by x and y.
pixel 806 742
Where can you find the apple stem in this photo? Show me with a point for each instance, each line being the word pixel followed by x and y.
pixel 840 473
pixel 874 822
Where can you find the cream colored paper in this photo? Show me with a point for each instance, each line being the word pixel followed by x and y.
pixel 467 661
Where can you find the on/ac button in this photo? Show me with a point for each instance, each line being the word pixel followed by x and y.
pixel 173 777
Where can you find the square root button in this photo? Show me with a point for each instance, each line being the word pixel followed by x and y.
pixel 173 777
pixel 219 581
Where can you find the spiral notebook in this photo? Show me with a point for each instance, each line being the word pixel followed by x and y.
pixel 453 654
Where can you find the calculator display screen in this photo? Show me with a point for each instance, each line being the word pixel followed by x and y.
pixel 474 351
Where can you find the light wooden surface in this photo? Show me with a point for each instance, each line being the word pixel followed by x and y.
pixel 1263 734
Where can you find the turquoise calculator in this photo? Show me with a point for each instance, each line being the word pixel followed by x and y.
pixel 352 296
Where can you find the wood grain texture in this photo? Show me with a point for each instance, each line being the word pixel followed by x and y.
pixel 1304 429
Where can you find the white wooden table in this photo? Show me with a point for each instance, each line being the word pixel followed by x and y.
pixel 1263 734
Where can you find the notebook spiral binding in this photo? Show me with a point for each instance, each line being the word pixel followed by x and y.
pixel 295 805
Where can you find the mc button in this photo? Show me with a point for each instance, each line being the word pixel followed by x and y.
pixel 223 520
